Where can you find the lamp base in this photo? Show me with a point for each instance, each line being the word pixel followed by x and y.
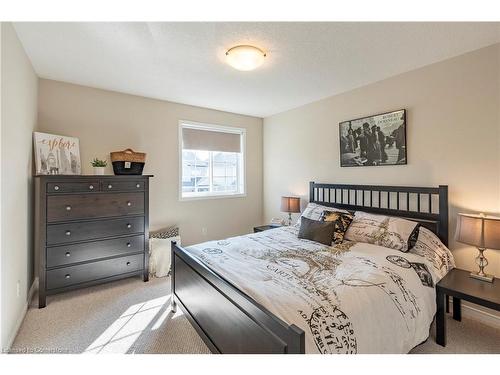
pixel 484 277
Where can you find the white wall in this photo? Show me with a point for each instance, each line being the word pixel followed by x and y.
pixel 1 300
pixel 19 117
pixel 106 121
pixel 453 138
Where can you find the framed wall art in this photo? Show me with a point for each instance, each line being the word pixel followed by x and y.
pixel 374 140
pixel 56 154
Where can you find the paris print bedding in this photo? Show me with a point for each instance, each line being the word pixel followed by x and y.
pixel 349 298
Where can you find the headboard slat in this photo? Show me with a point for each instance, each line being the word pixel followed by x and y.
pixel 437 222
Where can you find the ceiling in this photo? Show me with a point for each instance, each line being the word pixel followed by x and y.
pixel 184 62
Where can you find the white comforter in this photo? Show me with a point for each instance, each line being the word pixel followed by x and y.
pixel 351 298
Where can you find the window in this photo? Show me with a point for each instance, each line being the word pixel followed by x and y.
pixel 212 161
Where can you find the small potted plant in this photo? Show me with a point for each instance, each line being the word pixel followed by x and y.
pixel 99 166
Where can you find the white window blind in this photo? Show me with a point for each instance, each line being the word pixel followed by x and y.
pixel 212 161
pixel 210 140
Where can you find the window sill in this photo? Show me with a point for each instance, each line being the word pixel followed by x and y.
pixel 211 196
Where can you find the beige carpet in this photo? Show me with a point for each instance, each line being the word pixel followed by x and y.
pixel 127 316
pixel 130 316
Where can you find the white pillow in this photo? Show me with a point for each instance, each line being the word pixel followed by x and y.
pixel 159 255
pixel 431 248
pixel 387 231
pixel 314 211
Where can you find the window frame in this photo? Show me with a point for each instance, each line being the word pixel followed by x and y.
pixel 220 128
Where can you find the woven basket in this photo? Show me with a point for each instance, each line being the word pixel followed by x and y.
pixel 128 155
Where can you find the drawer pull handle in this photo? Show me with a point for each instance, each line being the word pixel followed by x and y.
pixel 128 263
pixel 129 226
pixel 68 254
pixel 67 276
pixel 110 186
pixel 56 188
pixel 129 204
pixel 138 186
pixel 91 187
pixel 68 233
pixel 129 244
pixel 68 208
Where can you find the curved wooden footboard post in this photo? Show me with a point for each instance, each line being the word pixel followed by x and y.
pixel 227 319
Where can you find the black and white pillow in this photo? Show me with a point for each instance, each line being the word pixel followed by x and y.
pixel 388 231
pixel 341 222
pixel 430 247
pixel 314 211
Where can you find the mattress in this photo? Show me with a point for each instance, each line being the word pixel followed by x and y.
pixel 348 298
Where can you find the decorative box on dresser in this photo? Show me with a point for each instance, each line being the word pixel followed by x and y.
pixel 90 230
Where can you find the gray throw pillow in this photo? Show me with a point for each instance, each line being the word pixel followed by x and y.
pixel 319 231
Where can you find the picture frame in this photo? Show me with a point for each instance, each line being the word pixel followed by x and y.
pixel 56 154
pixel 376 140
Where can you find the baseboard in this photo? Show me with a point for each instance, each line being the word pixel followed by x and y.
pixel 477 314
pixel 13 334
pixel 20 320
pixel 481 316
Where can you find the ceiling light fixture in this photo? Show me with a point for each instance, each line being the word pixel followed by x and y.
pixel 245 57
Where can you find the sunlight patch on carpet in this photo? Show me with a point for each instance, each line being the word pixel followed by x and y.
pixel 121 335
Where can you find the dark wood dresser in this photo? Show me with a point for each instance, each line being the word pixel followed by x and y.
pixel 90 230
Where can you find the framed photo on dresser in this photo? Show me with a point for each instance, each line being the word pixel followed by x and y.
pixel 373 140
pixel 56 154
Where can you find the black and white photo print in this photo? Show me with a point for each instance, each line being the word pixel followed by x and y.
pixel 374 140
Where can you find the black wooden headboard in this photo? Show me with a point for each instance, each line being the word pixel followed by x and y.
pixel 427 205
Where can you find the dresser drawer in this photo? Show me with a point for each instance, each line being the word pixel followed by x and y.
pixel 87 206
pixel 132 185
pixel 67 276
pixel 82 252
pixel 73 187
pixel 83 231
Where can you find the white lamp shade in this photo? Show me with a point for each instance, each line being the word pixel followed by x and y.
pixel 492 233
pixel 478 230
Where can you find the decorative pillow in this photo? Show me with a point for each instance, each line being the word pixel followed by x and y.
pixel 388 231
pixel 341 223
pixel 160 250
pixel 314 211
pixel 319 231
pixel 431 248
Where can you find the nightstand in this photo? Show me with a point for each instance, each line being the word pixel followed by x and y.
pixel 459 285
pixel 262 228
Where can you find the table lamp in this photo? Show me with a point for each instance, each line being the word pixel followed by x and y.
pixel 483 232
pixel 290 205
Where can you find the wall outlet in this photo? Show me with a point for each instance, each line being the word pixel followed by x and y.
pixel 18 288
pixel 204 231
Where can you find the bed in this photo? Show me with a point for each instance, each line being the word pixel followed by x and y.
pixel 271 292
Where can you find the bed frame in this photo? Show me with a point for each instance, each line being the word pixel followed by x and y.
pixel 229 321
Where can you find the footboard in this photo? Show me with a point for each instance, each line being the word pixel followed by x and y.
pixel 227 319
